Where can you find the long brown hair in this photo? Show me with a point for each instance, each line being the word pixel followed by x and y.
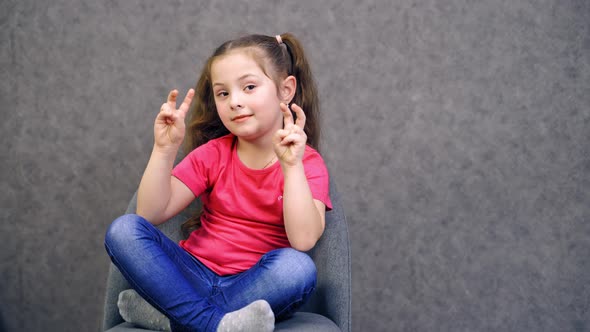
pixel 277 61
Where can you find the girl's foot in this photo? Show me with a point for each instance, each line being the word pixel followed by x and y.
pixel 257 316
pixel 134 309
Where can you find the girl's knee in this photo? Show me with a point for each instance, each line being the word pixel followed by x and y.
pixel 123 228
pixel 293 264
pixel 302 261
pixel 294 279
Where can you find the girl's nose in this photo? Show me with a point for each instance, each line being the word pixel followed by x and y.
pixel 235 103
pixel 235 106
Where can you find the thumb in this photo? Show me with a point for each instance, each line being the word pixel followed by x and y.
pixel 279 136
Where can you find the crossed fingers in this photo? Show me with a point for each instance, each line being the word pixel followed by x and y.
pixel 288 117
pixel 292 132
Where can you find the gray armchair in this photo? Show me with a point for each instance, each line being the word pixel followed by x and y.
pixel 327 310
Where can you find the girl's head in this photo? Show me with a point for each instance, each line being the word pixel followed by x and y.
pixel 277 58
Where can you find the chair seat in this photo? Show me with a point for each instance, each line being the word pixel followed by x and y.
pixel 301 322
pixel 307 322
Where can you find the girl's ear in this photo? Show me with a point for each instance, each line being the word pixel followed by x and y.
pixel 288 88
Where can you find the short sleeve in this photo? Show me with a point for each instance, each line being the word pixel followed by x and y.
pixel 196 168
pixel 317 176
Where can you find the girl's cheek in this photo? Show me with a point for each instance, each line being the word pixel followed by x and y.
pixel 218 107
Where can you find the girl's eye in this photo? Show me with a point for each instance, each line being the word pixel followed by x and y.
pixel 222 94
pixel 250 87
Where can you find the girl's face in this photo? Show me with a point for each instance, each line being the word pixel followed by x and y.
pixel 246 99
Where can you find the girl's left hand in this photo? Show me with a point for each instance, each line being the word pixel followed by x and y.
pixel 289 142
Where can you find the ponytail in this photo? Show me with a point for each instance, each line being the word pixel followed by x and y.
pixel 306 94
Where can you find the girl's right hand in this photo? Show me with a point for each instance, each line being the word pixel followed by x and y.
pixel 169 126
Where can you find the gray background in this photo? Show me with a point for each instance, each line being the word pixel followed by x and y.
pixel 457 132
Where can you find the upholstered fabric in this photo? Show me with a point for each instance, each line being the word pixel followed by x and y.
pixel 300 322
pixel 327 310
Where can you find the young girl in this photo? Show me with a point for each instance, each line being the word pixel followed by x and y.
pixel 263 186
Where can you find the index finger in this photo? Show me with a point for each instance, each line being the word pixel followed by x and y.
pixel 287 116
pixel 300 122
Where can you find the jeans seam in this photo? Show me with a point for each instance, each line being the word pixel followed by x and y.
pixel 189 269
pixel 242 274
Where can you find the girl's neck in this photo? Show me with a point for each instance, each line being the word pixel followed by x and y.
pixel 256 155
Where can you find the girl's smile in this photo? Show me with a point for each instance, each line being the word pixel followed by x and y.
pixel 241 118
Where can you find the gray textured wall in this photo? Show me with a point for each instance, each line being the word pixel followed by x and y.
pixel 457 131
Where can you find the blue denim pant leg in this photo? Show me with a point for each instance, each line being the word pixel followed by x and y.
pixel 164 274
pixel 285 278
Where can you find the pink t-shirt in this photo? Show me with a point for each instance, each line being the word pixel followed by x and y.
pixel 242 207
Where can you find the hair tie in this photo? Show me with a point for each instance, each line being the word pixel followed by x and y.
pixel 279 39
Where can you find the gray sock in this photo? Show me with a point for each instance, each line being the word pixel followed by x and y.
pixel 135 309
pixel 256 316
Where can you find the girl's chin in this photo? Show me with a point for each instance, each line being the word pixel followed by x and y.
pixel 253 132
pixel 245 134
pixel 250 136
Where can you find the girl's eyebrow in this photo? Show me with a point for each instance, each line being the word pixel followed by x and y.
pixel 243 77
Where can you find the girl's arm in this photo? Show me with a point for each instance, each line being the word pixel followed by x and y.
pixel 304 216
pixel 160 195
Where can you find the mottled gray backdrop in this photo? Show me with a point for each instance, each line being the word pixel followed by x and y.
pixel 458 132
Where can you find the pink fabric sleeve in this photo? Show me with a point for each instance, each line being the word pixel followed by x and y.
pixel 195 169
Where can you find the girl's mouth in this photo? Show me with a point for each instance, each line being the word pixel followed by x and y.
pixel 241 118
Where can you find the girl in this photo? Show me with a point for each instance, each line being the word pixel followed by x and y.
pixel 263 186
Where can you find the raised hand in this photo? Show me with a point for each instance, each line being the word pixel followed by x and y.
pixel 289 142
pixel 169 127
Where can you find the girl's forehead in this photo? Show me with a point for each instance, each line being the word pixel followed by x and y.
pixel 234 65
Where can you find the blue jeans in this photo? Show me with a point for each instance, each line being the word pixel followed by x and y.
pixel 192 296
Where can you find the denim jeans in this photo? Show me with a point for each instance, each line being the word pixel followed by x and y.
pixel 192 296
